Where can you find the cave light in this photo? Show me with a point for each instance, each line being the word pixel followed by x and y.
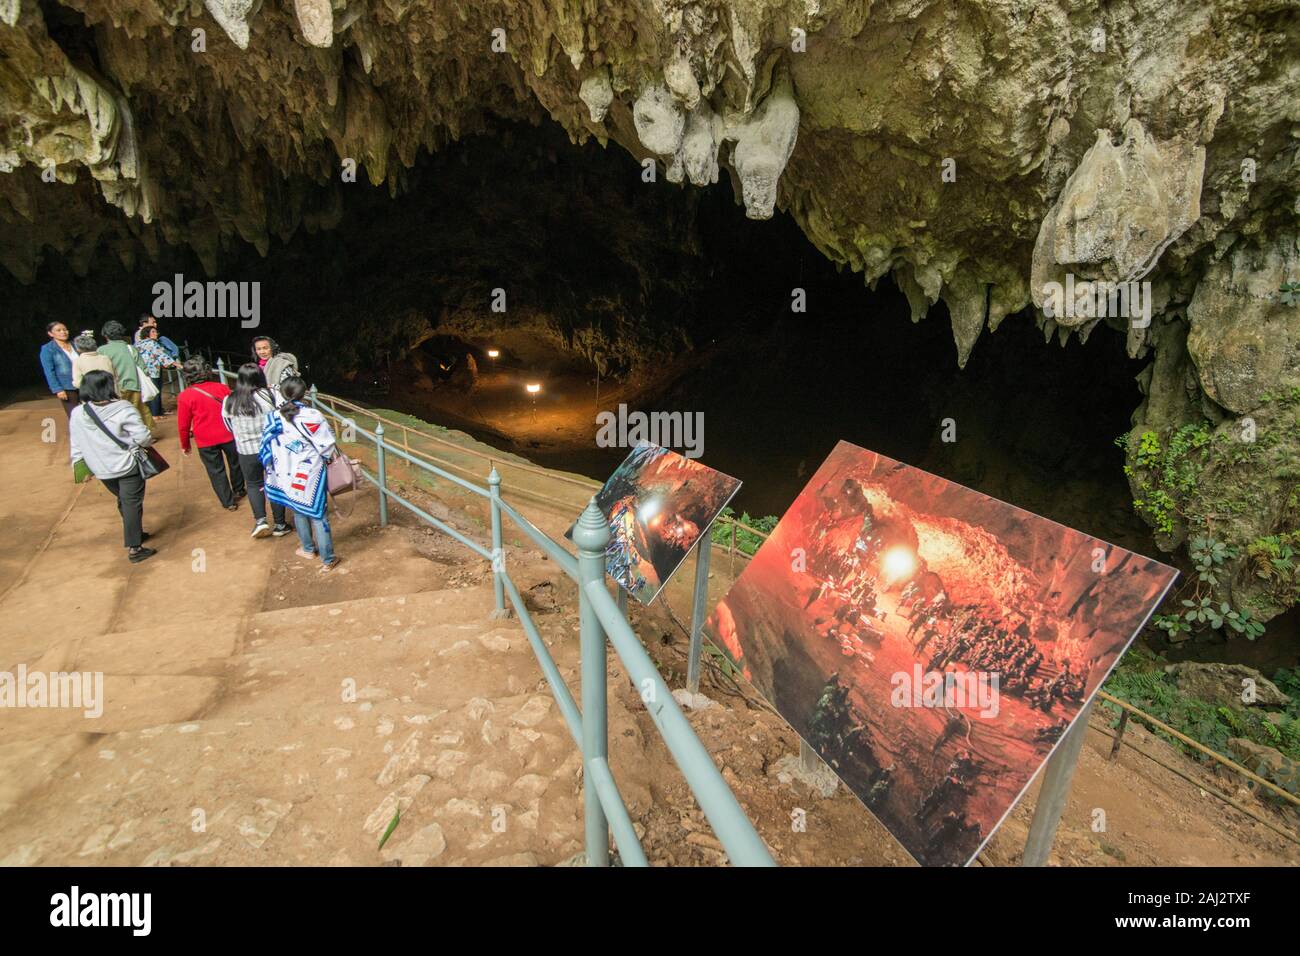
pixel 494 353
pixel 899 563
pixel 649 510
pixel 533 388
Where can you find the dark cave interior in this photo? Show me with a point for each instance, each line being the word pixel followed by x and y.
pixel 677 297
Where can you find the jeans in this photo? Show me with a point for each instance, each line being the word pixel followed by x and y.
pixel 255 481
pixel 324 540
pixel 155 403
pixel 226 486
pixel 129 492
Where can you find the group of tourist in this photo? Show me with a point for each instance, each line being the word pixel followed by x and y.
pixel 136 367
pixel 259 441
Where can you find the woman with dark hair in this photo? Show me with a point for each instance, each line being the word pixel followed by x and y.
pixel 244 412
pixel 92 428
pixel 198 409
pixel 275 364
pixel 125 366
pixel 153 359
pixel 57 356
pixel 297 443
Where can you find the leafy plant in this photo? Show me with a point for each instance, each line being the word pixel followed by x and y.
pixel 1244 623
pixel 1205 611
pixel 1209 555
pixel 1290 292
pixel 1275 560
pixel 746 541
pixel 1171 624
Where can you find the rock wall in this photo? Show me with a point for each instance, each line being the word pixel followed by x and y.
pixel 978 151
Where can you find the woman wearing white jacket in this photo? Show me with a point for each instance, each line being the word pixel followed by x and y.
pixel 108 461
pixel 297 444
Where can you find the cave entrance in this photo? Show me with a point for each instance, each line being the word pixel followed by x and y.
pixel 603 289
pixel 665 298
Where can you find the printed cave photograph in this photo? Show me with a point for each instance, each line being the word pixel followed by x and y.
pixel 930 643
pixel 658 504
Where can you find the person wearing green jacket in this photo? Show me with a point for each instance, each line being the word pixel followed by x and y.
pixel 125 366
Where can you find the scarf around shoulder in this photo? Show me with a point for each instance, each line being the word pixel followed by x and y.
pixel 291 454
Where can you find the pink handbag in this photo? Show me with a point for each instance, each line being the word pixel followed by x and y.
pixel 342 475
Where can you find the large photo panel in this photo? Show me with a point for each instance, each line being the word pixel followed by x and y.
pixel 931 643
pixel 658 504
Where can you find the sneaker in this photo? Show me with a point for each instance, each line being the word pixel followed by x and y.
pixel 140 554
pixel 332 565
pixel 280 530
pixel 240 495
pixel 261 530
pixel 232 507
pixel 309 555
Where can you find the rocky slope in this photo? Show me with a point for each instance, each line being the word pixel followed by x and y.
pixel 979 152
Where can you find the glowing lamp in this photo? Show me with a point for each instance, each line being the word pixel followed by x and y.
pixel 899 563
pixel 494 353
pixel 533 388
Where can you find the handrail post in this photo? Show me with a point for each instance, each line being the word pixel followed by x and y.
pixel 221 370
pixel 698 608
pixel 591 535
pixel 383 476
pixel 498 555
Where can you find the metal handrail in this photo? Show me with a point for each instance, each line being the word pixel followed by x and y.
pixel 586 484
pixel 603 805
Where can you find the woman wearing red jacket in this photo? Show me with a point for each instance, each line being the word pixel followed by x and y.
pixel 198 410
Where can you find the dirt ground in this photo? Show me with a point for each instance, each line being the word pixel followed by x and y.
pixel 271 714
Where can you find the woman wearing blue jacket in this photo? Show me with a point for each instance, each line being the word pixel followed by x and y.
pixel 57 356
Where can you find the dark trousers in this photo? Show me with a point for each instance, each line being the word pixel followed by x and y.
pixel 73 400
pixel 255 481
pixel 129 492
pixel 155 403
pixel 227 480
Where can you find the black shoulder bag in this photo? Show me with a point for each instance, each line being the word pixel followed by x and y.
pixel 148 460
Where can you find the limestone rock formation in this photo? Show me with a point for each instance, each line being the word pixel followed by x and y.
pixel 1244 340
pixel 1119 211
pixel 974 151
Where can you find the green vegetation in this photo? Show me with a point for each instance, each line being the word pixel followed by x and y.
pixel 1275 559
pixel 1201 611
pixel 1141 680
pixel 392 825
pixel 746 541
pixel 1166 475
pixel 1202 483
pixel 1290 293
